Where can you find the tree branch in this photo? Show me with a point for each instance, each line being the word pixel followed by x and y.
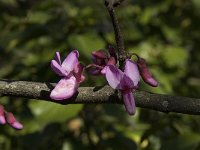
pixel 89 95
pixel 118 35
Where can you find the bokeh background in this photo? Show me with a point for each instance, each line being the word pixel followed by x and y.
pixel 165 32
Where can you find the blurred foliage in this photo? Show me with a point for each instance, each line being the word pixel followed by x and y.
pixel 166 33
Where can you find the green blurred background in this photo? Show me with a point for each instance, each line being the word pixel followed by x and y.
pixel 165 32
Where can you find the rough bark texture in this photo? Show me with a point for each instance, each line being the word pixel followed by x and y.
pixel 158 102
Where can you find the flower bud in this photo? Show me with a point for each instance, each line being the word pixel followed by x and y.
pixel 100 57
pixel 101 54
pixel 145 73
pixel 2 117
pixel 112 52
pixel 13 122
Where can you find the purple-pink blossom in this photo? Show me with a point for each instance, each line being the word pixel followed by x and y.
pixel 71 72
pixel 124 81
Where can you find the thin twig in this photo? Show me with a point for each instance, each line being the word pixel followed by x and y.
pixel 118 35
pixel 101 95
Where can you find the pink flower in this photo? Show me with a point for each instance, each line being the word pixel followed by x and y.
pixel 71 72
pixel 125 82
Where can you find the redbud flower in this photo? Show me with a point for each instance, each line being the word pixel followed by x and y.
pixel 71 72
pixel 125 82
pixel 2 117
pixel 12 121
pixel 145 73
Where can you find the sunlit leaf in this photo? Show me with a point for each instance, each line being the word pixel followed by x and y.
pixel 38 17
pixel 46 112
pixel 86 43
pixel 175 56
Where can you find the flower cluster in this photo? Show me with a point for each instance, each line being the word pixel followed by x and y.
pixel 125 80
pixel 8 117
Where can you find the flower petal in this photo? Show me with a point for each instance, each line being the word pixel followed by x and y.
pixel 70 61
pixel 129 102
pixel 103 71
pixel 131 70
pixel 126 83
pixel 82 79
pixel 11 120
pixel 114 76
pixel 2 117
pixel 64 89
pixel 151 81
pixel 17 125
pixel 2 120
pixel 58 69
pixel 57 58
